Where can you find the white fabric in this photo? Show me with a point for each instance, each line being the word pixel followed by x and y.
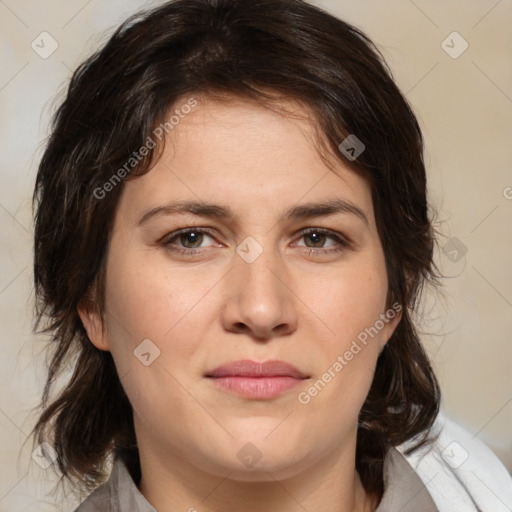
pixel 461 473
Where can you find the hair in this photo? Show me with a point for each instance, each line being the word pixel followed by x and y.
pixel 259 50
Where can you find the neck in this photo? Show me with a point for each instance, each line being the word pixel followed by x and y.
pixel 173 483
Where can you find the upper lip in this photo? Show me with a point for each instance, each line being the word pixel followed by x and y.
pixel 248 368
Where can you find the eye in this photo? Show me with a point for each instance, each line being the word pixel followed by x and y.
pixel 190 241
pixel 186 240
pixel 316 238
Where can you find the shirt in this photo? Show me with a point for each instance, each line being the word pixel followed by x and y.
pixel 403 491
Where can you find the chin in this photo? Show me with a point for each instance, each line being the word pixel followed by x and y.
pixel 263 462
pixel 266 471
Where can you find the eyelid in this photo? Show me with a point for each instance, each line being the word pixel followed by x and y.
pixel 342 239
pixel 170 236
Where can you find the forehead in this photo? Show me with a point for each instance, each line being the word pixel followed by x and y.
pixel 238 128
pixel 241 153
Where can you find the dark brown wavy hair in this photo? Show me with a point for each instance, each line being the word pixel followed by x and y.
pixel 262 50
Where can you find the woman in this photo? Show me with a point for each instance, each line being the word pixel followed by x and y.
pixel 232 234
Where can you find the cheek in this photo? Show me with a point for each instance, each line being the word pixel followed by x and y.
pixel 146 299
pixel 349 353
pixel 353 300
pixel 350 305
pixel 144 303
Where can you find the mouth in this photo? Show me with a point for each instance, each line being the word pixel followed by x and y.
pixel 257 381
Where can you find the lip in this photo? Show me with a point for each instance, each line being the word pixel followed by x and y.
pixel 257 381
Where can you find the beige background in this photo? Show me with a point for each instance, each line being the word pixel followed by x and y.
pixel 465 108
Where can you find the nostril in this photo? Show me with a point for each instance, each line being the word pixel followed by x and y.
pixel 280 328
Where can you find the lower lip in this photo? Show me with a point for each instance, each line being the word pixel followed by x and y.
pixel 257 388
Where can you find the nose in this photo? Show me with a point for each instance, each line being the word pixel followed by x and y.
pixel 259 301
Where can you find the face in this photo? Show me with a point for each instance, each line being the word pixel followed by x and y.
pixel 237 323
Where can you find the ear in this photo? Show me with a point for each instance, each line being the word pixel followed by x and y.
pixel 90 314
pixel 391 318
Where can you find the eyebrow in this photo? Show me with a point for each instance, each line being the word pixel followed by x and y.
pixel 300 212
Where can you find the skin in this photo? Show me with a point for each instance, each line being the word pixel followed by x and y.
pixel 205 309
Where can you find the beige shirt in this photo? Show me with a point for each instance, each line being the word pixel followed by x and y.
pixel 403 491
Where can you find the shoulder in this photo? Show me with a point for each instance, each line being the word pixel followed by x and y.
pixel 103 497
pixel 98 500
pixel 460 469
pixel 118 493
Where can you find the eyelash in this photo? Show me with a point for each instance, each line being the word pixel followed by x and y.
pixel 343 243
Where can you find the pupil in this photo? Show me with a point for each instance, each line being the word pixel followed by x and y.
pixel 316 238
pixel 191 238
